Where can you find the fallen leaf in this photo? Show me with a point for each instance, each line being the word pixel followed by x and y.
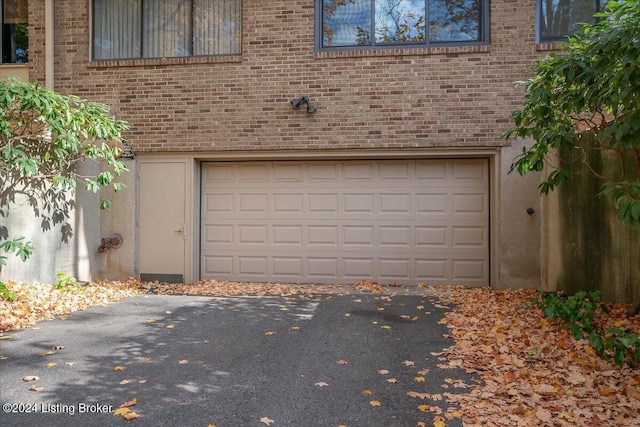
pixel 3 357
pixel 418 395
pixel 123 382
pixel 129 403
pixel 438 422
pixel 375 403
pixel 420 307
pixel 119 368
pixel 414 319
pixel 170 326
pixel 47 353
pixel 606 391
pixel 36 388
pixel 167 312
pixel 121 411
pixel 418 379
pixel 130 416
pixel 183 362
pixel 367 392
pixel 421 424
pixel 392 381
pixel 266 420
pixel 424 408
pixel 30 378
pixel 385 327
pixel 322 384
pixel 270 333
pixel 383 372
pixel 142 381
pixel 295 328
pixel 151 320
pixel 284 309
pixel 342 362
pixel 408 363
pixel 69 363
pixel 51 364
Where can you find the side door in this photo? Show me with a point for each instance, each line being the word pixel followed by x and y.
pixel 162 223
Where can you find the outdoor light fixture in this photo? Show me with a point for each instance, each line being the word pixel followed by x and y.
pixel 304 100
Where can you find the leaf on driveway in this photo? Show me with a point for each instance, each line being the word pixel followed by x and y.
pixel 342 362
pixel 267 421
pixel 375 403
pixel 418 395
pixel 424 408
pixel 183 362
pixel 392 381
pixel 121 411
pixel 418 379
pixel 322 384
pixel 270 333
pixel 47 353
pixel 129 403
pixel 36 388
pixel 385 327
pixel 367 392
pixel 130 416
pixel 51 364
pixel 123 382
pixel 408 363
pixel 30 378
pixel 438 422
pixel 383 372
pixel 170 326
pixel 119 368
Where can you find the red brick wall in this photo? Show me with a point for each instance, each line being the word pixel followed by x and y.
pixel 405 98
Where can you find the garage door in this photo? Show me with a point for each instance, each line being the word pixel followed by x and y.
pixel 344 221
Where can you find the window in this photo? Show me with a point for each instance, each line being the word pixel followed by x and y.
pixel 165 28
pixel 382 23
pixel 558 19
pixel 14 37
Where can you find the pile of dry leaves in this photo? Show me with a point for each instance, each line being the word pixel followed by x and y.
pixel 533 372
pixel 40 301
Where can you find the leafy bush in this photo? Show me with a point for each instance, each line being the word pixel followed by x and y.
pixel 66 282
pixel 6 294
pixel 579 311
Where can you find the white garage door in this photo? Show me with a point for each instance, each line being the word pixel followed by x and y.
pixel 405 221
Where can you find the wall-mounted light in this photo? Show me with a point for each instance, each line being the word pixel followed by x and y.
pixel 304 100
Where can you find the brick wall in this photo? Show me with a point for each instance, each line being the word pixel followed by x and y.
pixel 404 98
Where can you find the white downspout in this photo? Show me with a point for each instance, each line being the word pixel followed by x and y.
pixel 48 44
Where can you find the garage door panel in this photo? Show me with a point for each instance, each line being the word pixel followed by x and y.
pixel 288 235
pixel 334 221
pixel 323 203
pixel 395 203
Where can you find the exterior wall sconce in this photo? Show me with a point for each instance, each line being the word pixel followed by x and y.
pixel 304 100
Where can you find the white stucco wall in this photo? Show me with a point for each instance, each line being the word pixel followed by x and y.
pixel 51 255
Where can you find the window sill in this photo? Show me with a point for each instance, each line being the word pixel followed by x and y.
pixel 403 51
pixel 543 47
pixel 187 60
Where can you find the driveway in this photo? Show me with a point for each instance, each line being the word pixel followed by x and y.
pixel 320 360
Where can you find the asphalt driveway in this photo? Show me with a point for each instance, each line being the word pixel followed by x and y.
pixel 323 360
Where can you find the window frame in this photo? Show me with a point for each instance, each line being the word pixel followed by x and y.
pixel 485 31
pixel 169 58
pixel 2 39
pixel 599 4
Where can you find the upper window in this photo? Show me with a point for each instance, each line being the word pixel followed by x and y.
pixel 166 28
pixel 14 37
pixel 559 19
pixel 383 23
